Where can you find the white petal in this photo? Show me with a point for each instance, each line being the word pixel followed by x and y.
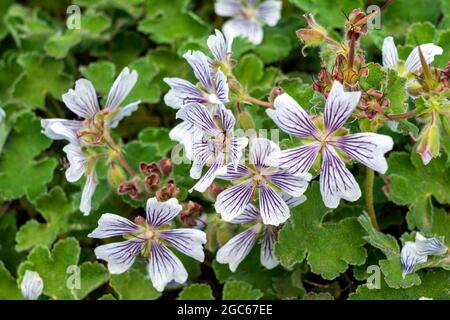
pixel 274 210
pixel 61 129
pixel 232 172
pixel 429 50
pixel 123 112
pixel 120 255
pixel 290 117
pixel 268 258
pixel 336 181
pixel 159 213
pixel 220 88
pixel 186 134
pixel 188 241
pixel 164 266
pixel 228 8
pixel 113 225
pixel 83 100
pixel 220 46
pixel 339 106
pixel 293 184
pixel 199 116
pixel 77 161
pixel 390 54
pixel 250 214
pixel 88 192
pixel 238 247
pixel 32 285
pixel 210 175
pixel 182 93
pixel 367 148
pixel 263 152
pixel 270 12
pixel 201 66
pixel 231 202
pixel 299 159
pixel 410 258
pixel 121 88
pixel 292 201
pixel 429 246
pixel 249 29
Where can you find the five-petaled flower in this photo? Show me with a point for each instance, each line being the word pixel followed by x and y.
pixel 412 64
pixel 248 17
pixel 325 136
pixel 260 176
pixel 238 247
pixel 414 253
pixel 215 146
pixel 32 285
pixel 150 237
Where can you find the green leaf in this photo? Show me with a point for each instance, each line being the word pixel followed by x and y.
pixel 240 290
pixel 55 208
pixel 375 78
pixel 443 41
pixel 54 269
pixel 167 21
pixel 10 290
pixel 395 92
pixel 414 185
pixel 20 173
pixel 144 90
pixel 8 229
pixel 249 70
pixel 101 74
pixel 134 284
pixel 274 47
pixel 434 285
pixel 58 45
pixel 196 291
pixel 420 33
pixel 328 247
pixel 31 92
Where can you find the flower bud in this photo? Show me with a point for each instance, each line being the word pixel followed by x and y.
pixel 129 187
pixel 115 175
pixel 414 88
pixel 429 144
pixel 151 181
pixel 169 190
pixel 166 166
pixel 276 91
pixel 245 120
pixel 149 168
pixel 312 36
pixel 139 220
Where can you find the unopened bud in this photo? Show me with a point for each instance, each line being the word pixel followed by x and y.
pixel 139 220
pixel 169 190
pixel 276 91
pixel 149 168
pixel 312 36
pixel 429 145
pixel 115 175
pixel 129 187
pixel 151 181
pixel 245 120
pixel 166 166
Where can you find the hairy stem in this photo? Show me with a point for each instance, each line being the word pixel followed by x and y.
pixel 369 197
pixel 257 101
pixel 110 142
pixel 401 116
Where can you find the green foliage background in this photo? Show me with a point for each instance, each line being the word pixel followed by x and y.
pixel 324 254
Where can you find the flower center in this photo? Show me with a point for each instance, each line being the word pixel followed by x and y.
pixel 258 178
pixel 149 234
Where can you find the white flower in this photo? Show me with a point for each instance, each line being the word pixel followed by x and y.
pixel 414 253
pixel 220 47
pixel 149 239
pixel 78 167
pixel 412 64
pixel 32 285
pixel 336 181
pixel 83 102
pixel 248 17
pixel 2 114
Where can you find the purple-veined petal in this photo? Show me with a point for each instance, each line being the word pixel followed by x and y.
pixel 159 213
pixel 429 50
pixel 210 175
pixel 293 184
pixel 292 201
pixel 410 258
pixel 120 255
pixel 250 214
pixel 390 54
pixel 339 106
pixel 336 181
pixel 290 117
pixel 232 172
pixel 367 148
pixel 113 225
pixel 201 67
pixel 299 159
pixel 228 8
pixel 220 88
pixel 88 192
pixel 220 46
pixel 188 241
pixel 186 134
pixel 274 210
pixel 121 88
pixel 429 246
pixel 262 152
pixel 77 161
pixel 236 149
pixel 268 258
pixel 227 119
pixel 241 27
pixel 270 12
pixel 164 266
pixel 182 93
pixel 31 285
pixel 231 202
pixel 64 130
pixel 60 129
pixel 83 100
pixel 203 151
pixel 238 247
pixel 123 112
pixel 199 116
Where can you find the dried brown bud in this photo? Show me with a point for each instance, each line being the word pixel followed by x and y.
pixel 129 187
pixel 190 213
pixel 214 189
pixel 166 166
pixel 151 181
pixel 373 102
pixel 169 190
pixel 149 168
